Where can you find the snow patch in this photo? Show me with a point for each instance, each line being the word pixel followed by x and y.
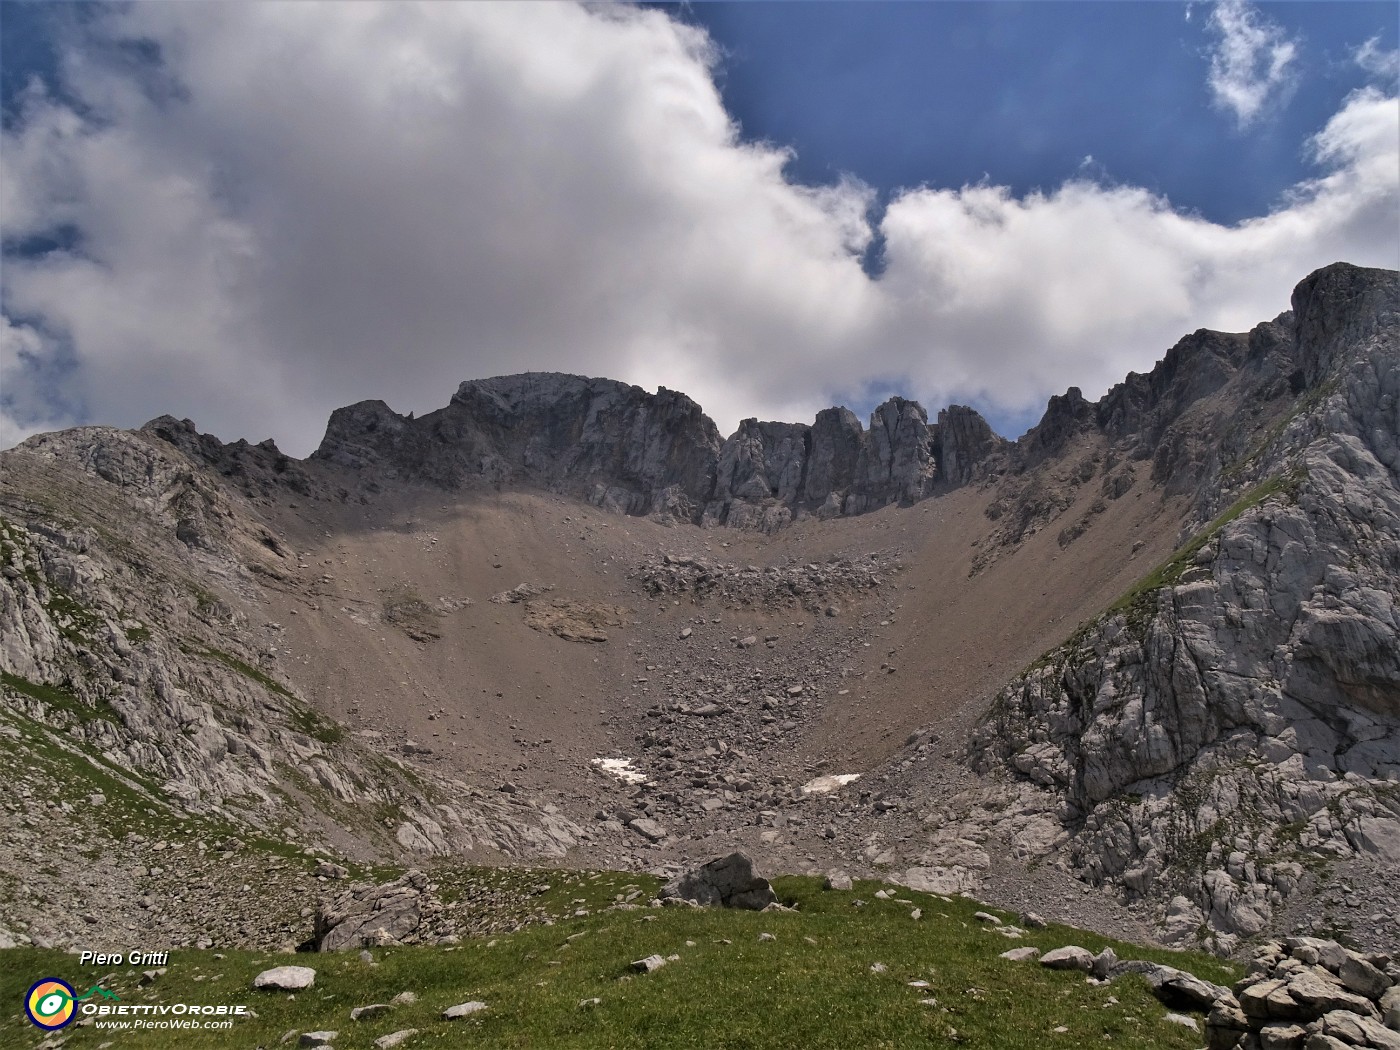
pixel 620 768
pixel 824 785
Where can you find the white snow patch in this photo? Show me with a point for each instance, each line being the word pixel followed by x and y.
pixel 823 785
pixel 621 768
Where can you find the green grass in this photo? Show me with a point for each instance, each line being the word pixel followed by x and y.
pixel 58 698
pixel 317 726
pixel 303 718
pixel 1137 603
pixel 792 992
pixel 1264 441
pixel 1134 602
pixel 138 635
pixel 73 771
pixel 248 671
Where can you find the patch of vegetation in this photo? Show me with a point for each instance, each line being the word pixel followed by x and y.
pixel 1133 603
pixel 75 772
pixel 138 635
pixel 1138 603
pixel 811 988
pixel 317 726
pixel 248 671
pixel 57 697
pixel 1305 404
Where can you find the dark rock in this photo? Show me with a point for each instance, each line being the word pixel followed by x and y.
pixel 729 882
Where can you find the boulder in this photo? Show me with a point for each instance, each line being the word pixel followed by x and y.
pixel 1070 957
pixel 729 882
pixel 1184 990
pixel 285 978
pixel 648 829
pixel 365 1013
pixel 455 1013
pixel 366 915
pixel 650 964
pixel 1023 954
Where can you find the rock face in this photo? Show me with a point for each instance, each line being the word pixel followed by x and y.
pixel 728 882
pixel 632 452
pixel 1239 711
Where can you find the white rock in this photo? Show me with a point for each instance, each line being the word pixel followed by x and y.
pixel 286 978
pixel 453 1013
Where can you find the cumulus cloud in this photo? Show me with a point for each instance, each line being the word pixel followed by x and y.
pixel 1252 63
pixel 311 206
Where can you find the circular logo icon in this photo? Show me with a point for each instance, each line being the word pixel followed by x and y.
pixel 50 1003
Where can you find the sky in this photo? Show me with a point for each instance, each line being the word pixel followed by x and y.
pixel 250 214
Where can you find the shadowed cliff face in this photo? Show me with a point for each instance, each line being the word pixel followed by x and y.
pixel 632 452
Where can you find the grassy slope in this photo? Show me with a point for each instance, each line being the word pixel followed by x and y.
pixel 792 992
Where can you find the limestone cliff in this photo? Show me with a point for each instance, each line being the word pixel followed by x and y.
pixel 632 452
pixel 1236 715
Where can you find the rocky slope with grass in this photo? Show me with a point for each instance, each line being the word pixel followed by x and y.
pixel 144 708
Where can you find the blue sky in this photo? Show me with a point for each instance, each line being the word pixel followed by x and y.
pixel 251 214
pixel 949 93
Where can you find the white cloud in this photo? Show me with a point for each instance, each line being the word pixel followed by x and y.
pixel 1252 63
pixel 330 204
pixel 1380 63
pixel 31 384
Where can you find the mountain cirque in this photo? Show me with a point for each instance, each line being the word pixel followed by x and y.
pixel 1138 670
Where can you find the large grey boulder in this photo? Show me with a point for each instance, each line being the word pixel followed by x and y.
pixel 729 882
pixel 366 915
pixel 1070 957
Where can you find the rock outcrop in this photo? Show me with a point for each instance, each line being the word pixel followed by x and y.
pixel 371 916
pixel 1313 993
pixel 632 452
pixel 1238 712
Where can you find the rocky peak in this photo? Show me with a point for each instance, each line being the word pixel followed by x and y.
pixel 1342 306
pixel 961 439
pixel 772 473
pixel 624 449
pixel 1066 415
pixel 257 469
